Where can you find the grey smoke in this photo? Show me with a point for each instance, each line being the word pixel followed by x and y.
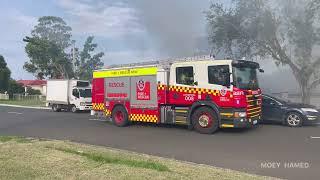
pixel 175 28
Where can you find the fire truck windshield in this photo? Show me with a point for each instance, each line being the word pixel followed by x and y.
pixel 85 93
pixel 245 78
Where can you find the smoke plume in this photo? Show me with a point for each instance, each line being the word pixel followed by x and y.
pixel 175 28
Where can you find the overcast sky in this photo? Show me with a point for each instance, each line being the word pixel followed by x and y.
pixel 126 30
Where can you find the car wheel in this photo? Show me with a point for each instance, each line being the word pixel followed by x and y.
pixel 120 116
pixel 293 119
pixel 205 120
pixel 74 109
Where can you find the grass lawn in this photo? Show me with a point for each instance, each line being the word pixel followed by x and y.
pixel 27 158
pixel 23 102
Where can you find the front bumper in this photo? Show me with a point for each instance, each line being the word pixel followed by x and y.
pixel 240 123
pixel 311 118
pixel 85 108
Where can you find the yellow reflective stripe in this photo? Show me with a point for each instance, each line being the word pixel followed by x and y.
pixel 227 125
pixel 125 72
pixel 255 115
pixel 181 111
pixel 253 108
pixel 226 114
pixel 254 112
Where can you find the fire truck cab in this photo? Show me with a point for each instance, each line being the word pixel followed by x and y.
pixel 203 94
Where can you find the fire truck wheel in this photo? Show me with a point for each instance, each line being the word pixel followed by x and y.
pixel 205 120
pixel 120 116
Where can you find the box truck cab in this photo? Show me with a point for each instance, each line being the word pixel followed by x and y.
pixel 73 95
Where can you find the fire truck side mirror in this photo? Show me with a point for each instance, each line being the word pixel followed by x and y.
pixel 195 83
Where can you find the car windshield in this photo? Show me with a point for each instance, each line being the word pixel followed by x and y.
pixel 281 100
pixel 245 78
pixel 85 93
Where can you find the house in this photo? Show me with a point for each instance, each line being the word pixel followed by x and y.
pixel 40 85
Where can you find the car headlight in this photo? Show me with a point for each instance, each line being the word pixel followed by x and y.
pixel 82 104
pixel 309 110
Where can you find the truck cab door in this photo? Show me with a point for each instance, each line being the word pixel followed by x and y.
pixel 182 81
pixel 217 80
pixel 75 97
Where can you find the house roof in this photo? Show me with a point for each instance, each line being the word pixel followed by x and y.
pixel 32 82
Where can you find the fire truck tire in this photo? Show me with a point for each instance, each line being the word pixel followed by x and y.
pixel 205 120
pixel 120 116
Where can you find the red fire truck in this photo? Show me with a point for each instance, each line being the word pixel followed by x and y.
pixel 204 94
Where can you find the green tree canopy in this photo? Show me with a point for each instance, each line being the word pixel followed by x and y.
pixel 288 31
pixel 4 75
pixel 15 88
pixel 88 60
pixel 46 49
pixel 31 91
pixel 53 29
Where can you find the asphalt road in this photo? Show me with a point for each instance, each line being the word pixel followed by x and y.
pixel 252 150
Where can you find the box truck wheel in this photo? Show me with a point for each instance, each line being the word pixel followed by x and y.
pixel 74 109
pixel 120 116
pixel 55 108
pixel 205 120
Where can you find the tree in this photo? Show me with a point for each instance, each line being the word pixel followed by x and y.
pixel 88 61
pixel 46 49
pixel 15 88
pixel 31 91
pixel 4 75
pixel 53 29
pixel 287 31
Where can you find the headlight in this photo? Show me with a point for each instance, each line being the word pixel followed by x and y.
pixel 82 103
pixel 240 114
pixel 309 110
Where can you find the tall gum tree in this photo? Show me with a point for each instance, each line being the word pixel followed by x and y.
pixel 46 49
pixel 288 31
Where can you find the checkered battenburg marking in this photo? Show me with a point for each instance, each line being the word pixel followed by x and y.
pixel 143 118
pixel 189 90
pixel 98 106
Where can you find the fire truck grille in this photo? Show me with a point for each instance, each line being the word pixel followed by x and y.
pixel 254 106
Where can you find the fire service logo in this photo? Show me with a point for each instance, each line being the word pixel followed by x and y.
pixel 223 91
pixel 143 90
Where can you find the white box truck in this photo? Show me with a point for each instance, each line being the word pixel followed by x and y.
pixel 71 95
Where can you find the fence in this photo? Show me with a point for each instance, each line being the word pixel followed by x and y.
pixel 4 96
pixel 22 97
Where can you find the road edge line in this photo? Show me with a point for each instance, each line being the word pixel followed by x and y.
pixel 27 107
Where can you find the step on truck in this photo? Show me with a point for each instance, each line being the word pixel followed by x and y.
pixel 70 95
pixel 204 94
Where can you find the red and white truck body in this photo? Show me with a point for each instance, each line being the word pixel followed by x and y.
pixel 203 94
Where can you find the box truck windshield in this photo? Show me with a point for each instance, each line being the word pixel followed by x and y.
pixel 85 93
